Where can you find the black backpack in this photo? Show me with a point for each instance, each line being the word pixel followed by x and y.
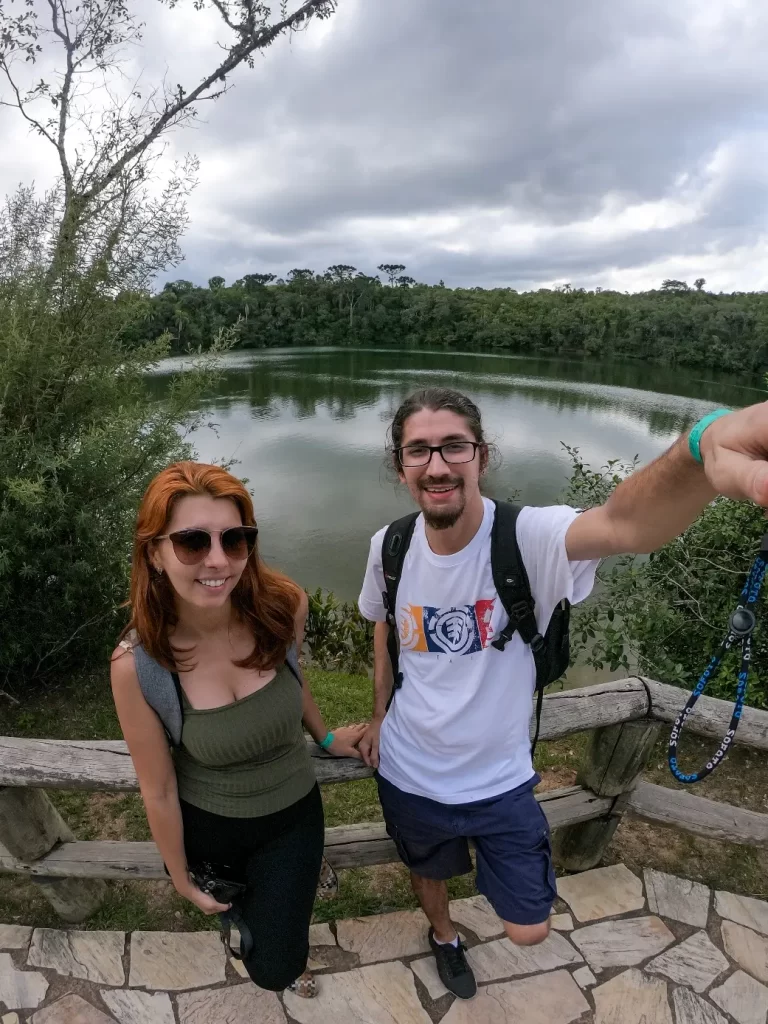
pixel 551 652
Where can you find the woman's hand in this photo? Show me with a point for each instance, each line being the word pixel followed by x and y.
pixel 201 899
pixel 345 740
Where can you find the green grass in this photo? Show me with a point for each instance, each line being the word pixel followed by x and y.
pixel 85 711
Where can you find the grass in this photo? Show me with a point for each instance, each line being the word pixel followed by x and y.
pixel 85 711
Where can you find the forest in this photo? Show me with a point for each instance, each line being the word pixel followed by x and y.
pixel 676 324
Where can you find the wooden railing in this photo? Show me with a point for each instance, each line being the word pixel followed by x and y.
pixel 625 718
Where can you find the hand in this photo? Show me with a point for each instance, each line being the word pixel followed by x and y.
pixel 735 453
pixel 201 899
pixel 346 739
pixel 369 744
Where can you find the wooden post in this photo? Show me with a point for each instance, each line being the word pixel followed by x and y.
pixel 30 827
pixel 615 761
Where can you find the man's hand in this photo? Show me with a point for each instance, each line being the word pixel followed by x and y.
pixel 369 744
pixel 735 453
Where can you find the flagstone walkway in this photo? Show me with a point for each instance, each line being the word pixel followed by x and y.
pixel 623 950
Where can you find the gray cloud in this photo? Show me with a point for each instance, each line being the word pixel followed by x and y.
pixel 604 142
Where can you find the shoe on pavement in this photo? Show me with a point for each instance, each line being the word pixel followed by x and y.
pixel 455 973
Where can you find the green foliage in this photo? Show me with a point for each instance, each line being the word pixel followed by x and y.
pixel 80 437
pixel 673 325
pixel 665 614
pixel 337 635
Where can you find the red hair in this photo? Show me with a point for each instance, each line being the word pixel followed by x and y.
pixel 265 599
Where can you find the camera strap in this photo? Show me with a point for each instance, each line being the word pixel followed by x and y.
pixel 227 920
pixel 740 627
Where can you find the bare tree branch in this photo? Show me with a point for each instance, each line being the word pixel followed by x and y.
pixel 259 40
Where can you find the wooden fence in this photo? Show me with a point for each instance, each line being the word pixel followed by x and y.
pixel 625 718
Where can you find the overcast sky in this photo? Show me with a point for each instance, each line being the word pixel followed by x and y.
pixel 607 143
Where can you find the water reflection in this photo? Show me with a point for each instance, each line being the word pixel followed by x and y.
pixel 308 430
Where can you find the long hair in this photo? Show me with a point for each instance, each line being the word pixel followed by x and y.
pixel 265 599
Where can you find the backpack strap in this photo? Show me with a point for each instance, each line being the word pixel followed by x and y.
pixel 513 587
pixel 161 692
pixel 394 548
pixel 292 661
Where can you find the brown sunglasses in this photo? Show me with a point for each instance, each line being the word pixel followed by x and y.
pixel 192 546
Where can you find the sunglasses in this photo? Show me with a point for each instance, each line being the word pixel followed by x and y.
pixel 192 546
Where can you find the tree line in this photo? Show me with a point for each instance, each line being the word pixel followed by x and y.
pixel 675 324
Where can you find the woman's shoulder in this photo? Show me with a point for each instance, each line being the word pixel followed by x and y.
pixel 122 665
pixel 302 608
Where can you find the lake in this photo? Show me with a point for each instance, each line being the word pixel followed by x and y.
pixel 307 428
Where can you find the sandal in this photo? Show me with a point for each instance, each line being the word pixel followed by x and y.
pixel 328 882
pixel 305 986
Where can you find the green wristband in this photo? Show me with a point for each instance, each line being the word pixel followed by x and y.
pixel 327 741
pixel 694 438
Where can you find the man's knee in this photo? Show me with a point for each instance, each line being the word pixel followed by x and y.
pixel 526 934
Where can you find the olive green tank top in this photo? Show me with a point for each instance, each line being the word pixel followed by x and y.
pixel 248 758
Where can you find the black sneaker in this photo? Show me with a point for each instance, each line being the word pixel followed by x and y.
pixel 455 973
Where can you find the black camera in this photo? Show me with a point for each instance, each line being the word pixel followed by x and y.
pixel 209 881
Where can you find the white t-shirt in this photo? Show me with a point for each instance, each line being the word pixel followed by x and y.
pixel 457 729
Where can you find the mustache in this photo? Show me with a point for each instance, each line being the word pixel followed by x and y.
pixel 443 481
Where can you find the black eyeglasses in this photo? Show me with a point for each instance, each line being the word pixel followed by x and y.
pixel 192 546
pixel 453 452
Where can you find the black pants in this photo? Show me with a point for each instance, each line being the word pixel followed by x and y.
pixel 278 856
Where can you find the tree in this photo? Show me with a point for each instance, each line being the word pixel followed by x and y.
pixel 405 282
pixel 340 273
pixel 253 281
pixel 670 285
pixel 216 283
pixel 392 270
pixel 102 193
pixel 80 434
pixel 699 283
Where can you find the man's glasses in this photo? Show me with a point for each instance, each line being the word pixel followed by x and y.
pixel 454 452
pixel 192 546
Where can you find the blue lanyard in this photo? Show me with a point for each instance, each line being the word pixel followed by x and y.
pixel 740 627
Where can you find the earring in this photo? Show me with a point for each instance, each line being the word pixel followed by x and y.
pixel 158 572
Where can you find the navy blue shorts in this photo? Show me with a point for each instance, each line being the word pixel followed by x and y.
pixel 511 836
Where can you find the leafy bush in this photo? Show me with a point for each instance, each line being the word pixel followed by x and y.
pixel 80 437
pixel 337 635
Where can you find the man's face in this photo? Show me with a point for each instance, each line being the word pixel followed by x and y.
pixel 441 488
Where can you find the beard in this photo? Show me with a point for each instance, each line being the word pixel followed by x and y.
pixel 443 518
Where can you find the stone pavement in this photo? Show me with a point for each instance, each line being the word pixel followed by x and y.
pixel 623 950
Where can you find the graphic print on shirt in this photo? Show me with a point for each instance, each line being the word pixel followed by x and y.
pixel 463 630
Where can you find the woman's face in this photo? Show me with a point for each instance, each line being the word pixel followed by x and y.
pixel 209 583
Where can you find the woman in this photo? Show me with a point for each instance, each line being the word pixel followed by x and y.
pixel 238 793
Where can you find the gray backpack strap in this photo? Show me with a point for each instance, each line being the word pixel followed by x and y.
pixel 160 692
pixel 292 661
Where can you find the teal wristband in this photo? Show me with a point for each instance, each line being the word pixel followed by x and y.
pixel 694 438
pixel 327 741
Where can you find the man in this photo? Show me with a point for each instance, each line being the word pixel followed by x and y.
pixel 453 750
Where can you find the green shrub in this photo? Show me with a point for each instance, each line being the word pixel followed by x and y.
pixel 337 635
pixel 80 437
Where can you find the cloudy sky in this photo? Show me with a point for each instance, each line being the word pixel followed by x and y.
pixel 607 143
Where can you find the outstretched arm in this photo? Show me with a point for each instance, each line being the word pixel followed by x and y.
pixel 661 500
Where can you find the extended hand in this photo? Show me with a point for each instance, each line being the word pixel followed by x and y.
pixel 346 739
pixel 735 453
